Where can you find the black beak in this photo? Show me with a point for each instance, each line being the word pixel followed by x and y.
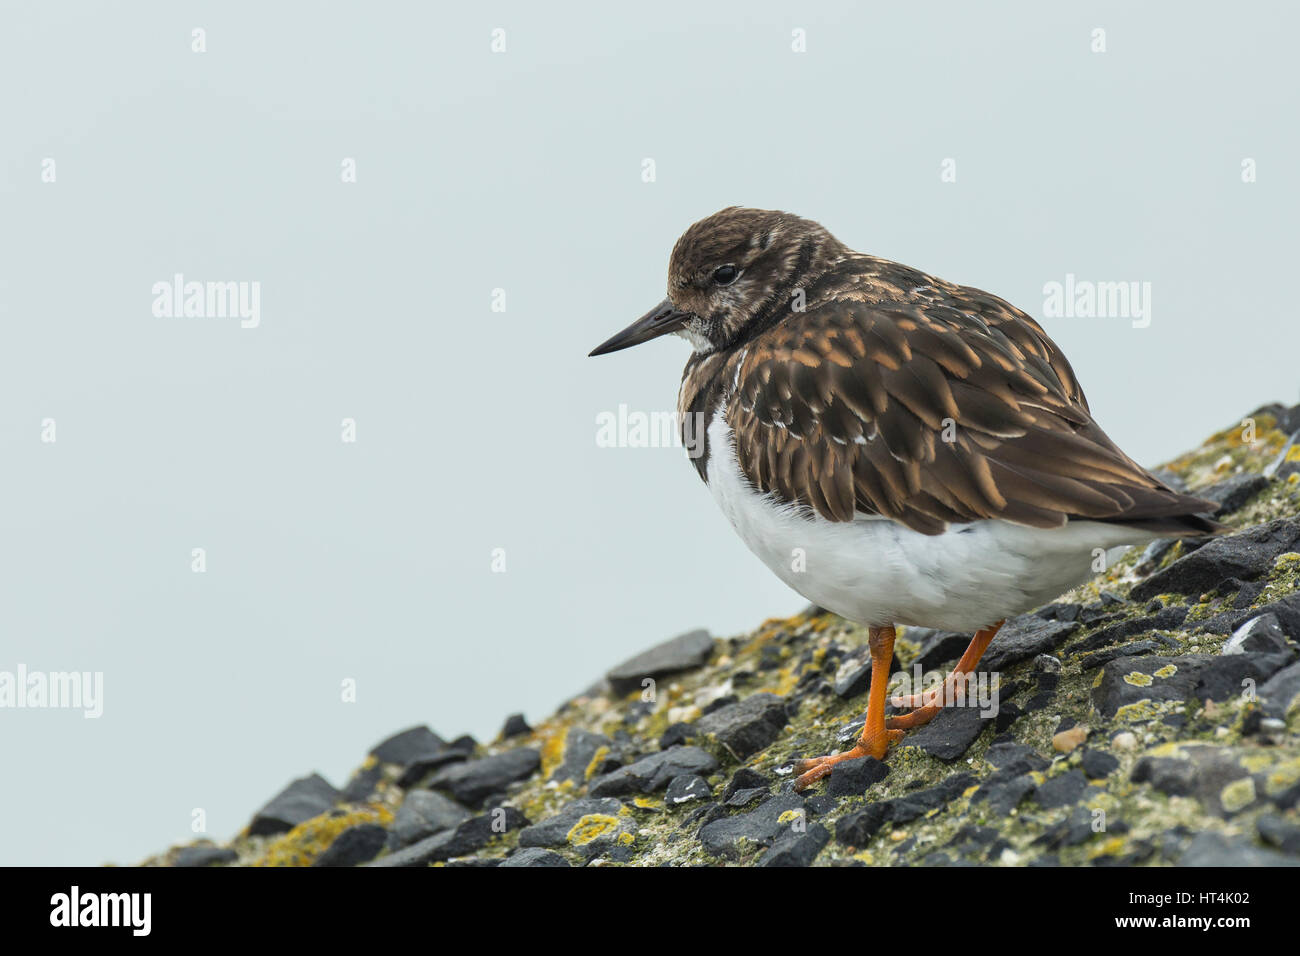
pixel 660 320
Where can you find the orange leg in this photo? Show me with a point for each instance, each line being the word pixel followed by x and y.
pixel 875 739
pixel 927 705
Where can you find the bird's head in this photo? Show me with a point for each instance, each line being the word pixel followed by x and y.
pixel 728 272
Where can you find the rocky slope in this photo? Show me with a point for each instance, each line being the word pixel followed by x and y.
pixel 1150 716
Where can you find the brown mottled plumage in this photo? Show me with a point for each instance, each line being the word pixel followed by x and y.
pixel 924 447
pixel 845 406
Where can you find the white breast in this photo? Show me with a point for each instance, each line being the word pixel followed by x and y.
pixel 875 571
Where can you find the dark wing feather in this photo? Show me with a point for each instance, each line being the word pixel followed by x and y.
pixel 932 413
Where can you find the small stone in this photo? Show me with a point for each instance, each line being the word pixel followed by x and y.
pixel 1023 638
pixel 189 856
pixel 1187 677
pixel 1068 740
pixel 1047 664
pixel 746 727
pixel 1278 832
pixel 474 781
pixel 793 848
pixel 354 846
pixel 685 788
pixel 554 830
pixel 1098 764
pixel 581 748
pixel 1232 493
pixel 653 772
pixel 1214 850
pixel 410 745
pixel 1259 635
pixel 682 653
pixel 1280 691
pixel 730 837
pixel 746 778
pixel 303 799
pixel 1124 740
pixel 422 814
pixel 1245 555
pixel 1062 790
pixel 469 837
pixel 950 734
pixel 515 726
pixel 535 856
pixel 851 778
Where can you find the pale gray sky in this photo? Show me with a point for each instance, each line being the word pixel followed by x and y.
pixel 522 171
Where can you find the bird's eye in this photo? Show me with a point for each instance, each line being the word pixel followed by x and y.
pixel 725 275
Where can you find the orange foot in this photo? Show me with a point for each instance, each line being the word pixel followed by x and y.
pixel 814 768
pixel 878 733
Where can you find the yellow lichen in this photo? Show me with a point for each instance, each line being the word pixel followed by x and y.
pixel 1138 679
pixel 1238 795
pixel 309 839
pixel 591 827
pixel 594 764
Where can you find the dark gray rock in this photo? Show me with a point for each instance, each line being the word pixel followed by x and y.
pixel 554 831
pixel 361 785
pixel 1098 764
pixel 1201 771
pixel 1244 555
pixel 937 647
pixel 468 837
pixel 681 653
pixel 1279 832
pixel 950 733
pixel 1259 635
pixel 418 751
pixel 1023 638
pixel 1133 649
pixel 854 678
pixel 856 829
pixel 1008 753
pixel 653 772
pixel 731 836
pixel 746 727
pixel 686 788
pixel 535 856
pixel 1285 609
pixel 743 798
pixel 409 746
pixel 515 726
pixel 474 781
pixel 1063 790
pixel 580 749
pixel 1166 619
pixel 1004 793
pixel 422 814
pixel 1232 493
pixel 851 778
pixel 793 848
pixel 1212 849
pixel 354 846
pixel 746 778
pixel 303 799
pixel 1194 677
pixel 1279 692
pixel 189 856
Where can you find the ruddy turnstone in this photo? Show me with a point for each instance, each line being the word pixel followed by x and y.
pixel 896 448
